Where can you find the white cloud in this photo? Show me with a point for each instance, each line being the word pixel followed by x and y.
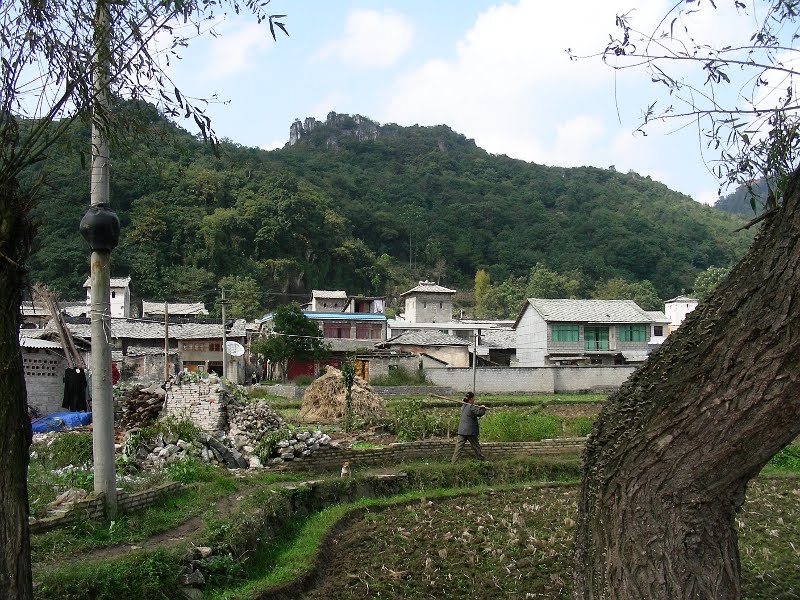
pixel 235 50
pixel 274 144
pixel 371 39
pixel 706 196
pixel 511 86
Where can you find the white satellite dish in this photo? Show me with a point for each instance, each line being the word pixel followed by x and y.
pixel 234 348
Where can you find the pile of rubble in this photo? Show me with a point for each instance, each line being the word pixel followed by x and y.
pixel 140 406
pixel 256 435
pixel 300 444
pixel 249 422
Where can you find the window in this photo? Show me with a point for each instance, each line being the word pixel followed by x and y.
pixel 595 338
pixel 215 346
pixel 632 333
pixel 113 294
pixel 658 330
pixel 564 332
pixel 441 304
pixel 194 346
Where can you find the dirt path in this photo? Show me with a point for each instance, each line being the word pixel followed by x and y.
pixel 178 534
pixel 165 539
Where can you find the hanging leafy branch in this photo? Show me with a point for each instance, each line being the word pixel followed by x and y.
pixel 47 59
pixel 742 96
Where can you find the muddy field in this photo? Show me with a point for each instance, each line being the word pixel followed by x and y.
pixel 517 545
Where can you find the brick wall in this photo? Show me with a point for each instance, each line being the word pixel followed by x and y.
pixel 93 507
pixel 203 404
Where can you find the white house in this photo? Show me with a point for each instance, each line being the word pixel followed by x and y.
pixel 575 332
pixel 429 302
pixel 328 300
pixel 120 296
pixel 677 309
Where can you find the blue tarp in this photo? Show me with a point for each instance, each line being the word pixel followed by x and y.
pixel 60 420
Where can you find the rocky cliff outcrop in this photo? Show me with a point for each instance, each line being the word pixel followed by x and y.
pixel 336 125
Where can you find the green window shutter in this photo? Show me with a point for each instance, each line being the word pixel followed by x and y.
pixel 564 332
pixel 632 333
pixel 595 338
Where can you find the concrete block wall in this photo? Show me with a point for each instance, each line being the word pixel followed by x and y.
pixel 44 379
pixel 331 458
pixel 591 378
pixel 412 390
pixel 203 404
pixel 532 380
pixel 293 392
pixel 496 380
pixel 93 507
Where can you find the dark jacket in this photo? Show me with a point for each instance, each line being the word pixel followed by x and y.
pixel 468 425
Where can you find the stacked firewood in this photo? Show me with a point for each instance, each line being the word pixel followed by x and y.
pixel 141 406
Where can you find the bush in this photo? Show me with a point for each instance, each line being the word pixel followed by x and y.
pixel 134 577
pixel 412 422
pixel 507 426
pixel 579 426
pixel 303 380
pixel 268 445
pixel 788 459
pixel 401 376
pixel 190 470
pixel 69 448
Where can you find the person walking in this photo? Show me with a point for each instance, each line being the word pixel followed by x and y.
pixel 468 428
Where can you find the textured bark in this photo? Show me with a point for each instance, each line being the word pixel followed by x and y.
pixel 668 461
pixel 15 565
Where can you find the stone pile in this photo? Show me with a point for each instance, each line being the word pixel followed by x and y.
pixel 165 449
pixel 301 444
pixel 256 434
pixel 249 422
pixel 141 406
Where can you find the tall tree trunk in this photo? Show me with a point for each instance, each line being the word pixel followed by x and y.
pixel 15 436
pixel 668 461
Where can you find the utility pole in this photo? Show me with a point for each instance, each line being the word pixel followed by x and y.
pixel 475 359
pixel 224 340
pixel 166 341
pixel 100 228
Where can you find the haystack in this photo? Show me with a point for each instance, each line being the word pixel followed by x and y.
pixel 324 399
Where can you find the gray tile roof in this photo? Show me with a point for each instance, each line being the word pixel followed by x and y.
pixel 657 316
pixel 77 310
pixel 328 294
pixel 589 311
pixel 174 308
pixel 116 282
pixel 150 330
pixel 426 338
pixel 28 342
pixel 499 338
pixel 428 287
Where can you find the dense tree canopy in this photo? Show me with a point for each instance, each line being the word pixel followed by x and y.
pixel 293 336
pixel 369 215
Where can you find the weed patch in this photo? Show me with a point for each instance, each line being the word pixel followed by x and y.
pixel 510 426
pixel 138 576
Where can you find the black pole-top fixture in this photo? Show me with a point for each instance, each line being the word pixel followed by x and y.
pixel 100 228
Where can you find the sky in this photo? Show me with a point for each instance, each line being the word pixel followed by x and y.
pixel 497 72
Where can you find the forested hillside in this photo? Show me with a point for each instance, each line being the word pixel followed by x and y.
pixel 367 213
